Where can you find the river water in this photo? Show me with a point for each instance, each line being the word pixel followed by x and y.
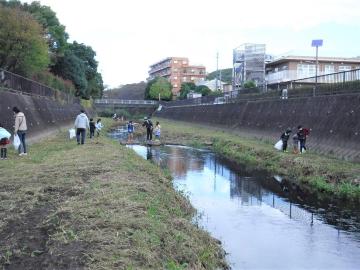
pixel 258 224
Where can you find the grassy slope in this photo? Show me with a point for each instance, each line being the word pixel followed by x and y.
pixel 101 207
pixel 320 173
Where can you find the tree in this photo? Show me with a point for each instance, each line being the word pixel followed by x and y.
pixel 22 47
pixel 203 90
pixel 159 86
pixel 249 84
pixel 54 32
pixel 79 65
pixel 186 88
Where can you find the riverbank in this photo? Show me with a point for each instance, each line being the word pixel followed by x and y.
pixel 324 176
pixel 96 206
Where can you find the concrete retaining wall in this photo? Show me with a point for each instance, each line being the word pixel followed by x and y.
pixel 334 120
pixel 42 114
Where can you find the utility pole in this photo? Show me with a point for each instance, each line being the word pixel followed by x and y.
pixel 217 69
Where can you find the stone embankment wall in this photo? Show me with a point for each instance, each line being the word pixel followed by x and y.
pixel 334 120
pixel 43 115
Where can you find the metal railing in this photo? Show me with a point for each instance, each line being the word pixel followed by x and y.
pixel 125 102
pixel 16 83
pixel 345 82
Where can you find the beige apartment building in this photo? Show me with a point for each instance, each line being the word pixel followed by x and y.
pixel 290 68
pixel 177 70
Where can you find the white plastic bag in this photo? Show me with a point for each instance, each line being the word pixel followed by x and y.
pixel 72 133
pixel 16 142
pixel 278 145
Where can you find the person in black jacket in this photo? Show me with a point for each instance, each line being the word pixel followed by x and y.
pixel 149 127
pixel 285 137
pixel 92 128
pixel 302 138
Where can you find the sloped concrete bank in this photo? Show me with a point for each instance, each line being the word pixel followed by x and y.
pixel 333 120
pixel 43 115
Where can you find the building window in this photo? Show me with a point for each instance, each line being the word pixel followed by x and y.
pixel 305 70
pixel 175 85
pixel 175 78
pixel 192 78
pixel 175 69
pixel 344 68
pixel 175 61
pixel 329 69
pixel 184 79
pixel 184 62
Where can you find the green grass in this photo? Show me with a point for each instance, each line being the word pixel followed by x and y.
pixel 107 206
pixel 322 174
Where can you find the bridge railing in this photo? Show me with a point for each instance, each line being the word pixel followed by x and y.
pixel 125 102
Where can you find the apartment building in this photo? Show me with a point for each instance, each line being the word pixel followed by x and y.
pixel 290 68
pixel 177 70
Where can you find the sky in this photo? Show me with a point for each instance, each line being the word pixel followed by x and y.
pixel 130 35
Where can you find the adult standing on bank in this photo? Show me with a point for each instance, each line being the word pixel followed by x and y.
pixel 81 124
pixel 20 130
pixel 149 128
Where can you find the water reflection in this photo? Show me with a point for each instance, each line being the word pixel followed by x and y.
pixel 259 226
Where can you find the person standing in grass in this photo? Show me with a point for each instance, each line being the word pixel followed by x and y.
pixel 149 128
pixel 295 144
pixel 285 137
pixel 130 129
pixel 98 126
pixel 302 138
pixel 20 130
pixel 4 141
pixel 81 124
pixel 92 128
pixel 157 130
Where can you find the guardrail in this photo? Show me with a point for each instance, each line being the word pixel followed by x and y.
pixel 346 82
pixel 125 102
pixel 15 83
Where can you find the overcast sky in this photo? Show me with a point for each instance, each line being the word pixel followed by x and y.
pixel 130 35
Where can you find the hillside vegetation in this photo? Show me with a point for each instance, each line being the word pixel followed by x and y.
pixel 133 91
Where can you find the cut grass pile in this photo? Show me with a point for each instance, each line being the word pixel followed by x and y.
pixel 321 174
pixel 96 206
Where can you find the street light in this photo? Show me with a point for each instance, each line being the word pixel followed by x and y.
pixel 316 43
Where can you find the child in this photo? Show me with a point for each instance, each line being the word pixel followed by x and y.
pixel 4 141
pixel 98 126
pixel 295 144
pixel 285 137
pixel 92 128
pixel 157 131
pixel 130 128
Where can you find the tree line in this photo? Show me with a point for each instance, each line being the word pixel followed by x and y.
pixel 33 43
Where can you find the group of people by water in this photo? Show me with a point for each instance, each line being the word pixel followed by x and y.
pixel 150 130
pixel 299 139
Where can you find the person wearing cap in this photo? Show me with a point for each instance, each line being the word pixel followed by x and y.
pixel 285 137
pixel 149 127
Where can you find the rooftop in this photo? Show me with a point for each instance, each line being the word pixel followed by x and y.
pixel 312 58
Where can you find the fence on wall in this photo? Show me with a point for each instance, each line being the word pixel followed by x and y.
pixel 345 82
pixel 16 83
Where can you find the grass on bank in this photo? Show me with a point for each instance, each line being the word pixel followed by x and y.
pixel 322 174
pixel 101 207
